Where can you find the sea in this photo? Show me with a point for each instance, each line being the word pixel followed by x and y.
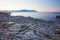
pixel 48 16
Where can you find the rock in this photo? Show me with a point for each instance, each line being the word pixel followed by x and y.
pixel 4 14
pixel 58 16
pixel 27 28
pixel 5 25
pixel 57 31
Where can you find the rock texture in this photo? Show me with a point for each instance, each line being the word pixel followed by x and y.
pixel 28 28
pixel 4 15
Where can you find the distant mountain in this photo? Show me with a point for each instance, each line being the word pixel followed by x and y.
pixel 25 10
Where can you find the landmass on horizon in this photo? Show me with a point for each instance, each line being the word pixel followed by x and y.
pixel 22 10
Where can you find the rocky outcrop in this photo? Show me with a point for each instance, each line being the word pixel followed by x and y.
pixel 27 28
pixel 33 31
pixel 58 16
pixel 4 14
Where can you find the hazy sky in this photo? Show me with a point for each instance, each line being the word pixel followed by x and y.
pixel 39 5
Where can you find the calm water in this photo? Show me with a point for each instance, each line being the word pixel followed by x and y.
pixel 42 15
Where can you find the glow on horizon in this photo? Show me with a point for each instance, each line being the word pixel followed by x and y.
pixel 39 5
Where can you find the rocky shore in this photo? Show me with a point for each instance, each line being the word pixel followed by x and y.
pixel 27 28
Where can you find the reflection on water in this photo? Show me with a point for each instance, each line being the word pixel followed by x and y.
pixel 42 15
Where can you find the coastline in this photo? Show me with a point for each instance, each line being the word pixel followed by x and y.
pixel 28 28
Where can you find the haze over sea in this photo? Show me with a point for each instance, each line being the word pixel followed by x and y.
pixel 49 16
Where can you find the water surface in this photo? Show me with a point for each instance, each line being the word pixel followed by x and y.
pixel 50 16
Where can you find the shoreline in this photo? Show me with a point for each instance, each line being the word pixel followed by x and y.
pixel 28 28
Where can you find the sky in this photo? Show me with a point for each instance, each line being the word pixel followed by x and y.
pixel 38 5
